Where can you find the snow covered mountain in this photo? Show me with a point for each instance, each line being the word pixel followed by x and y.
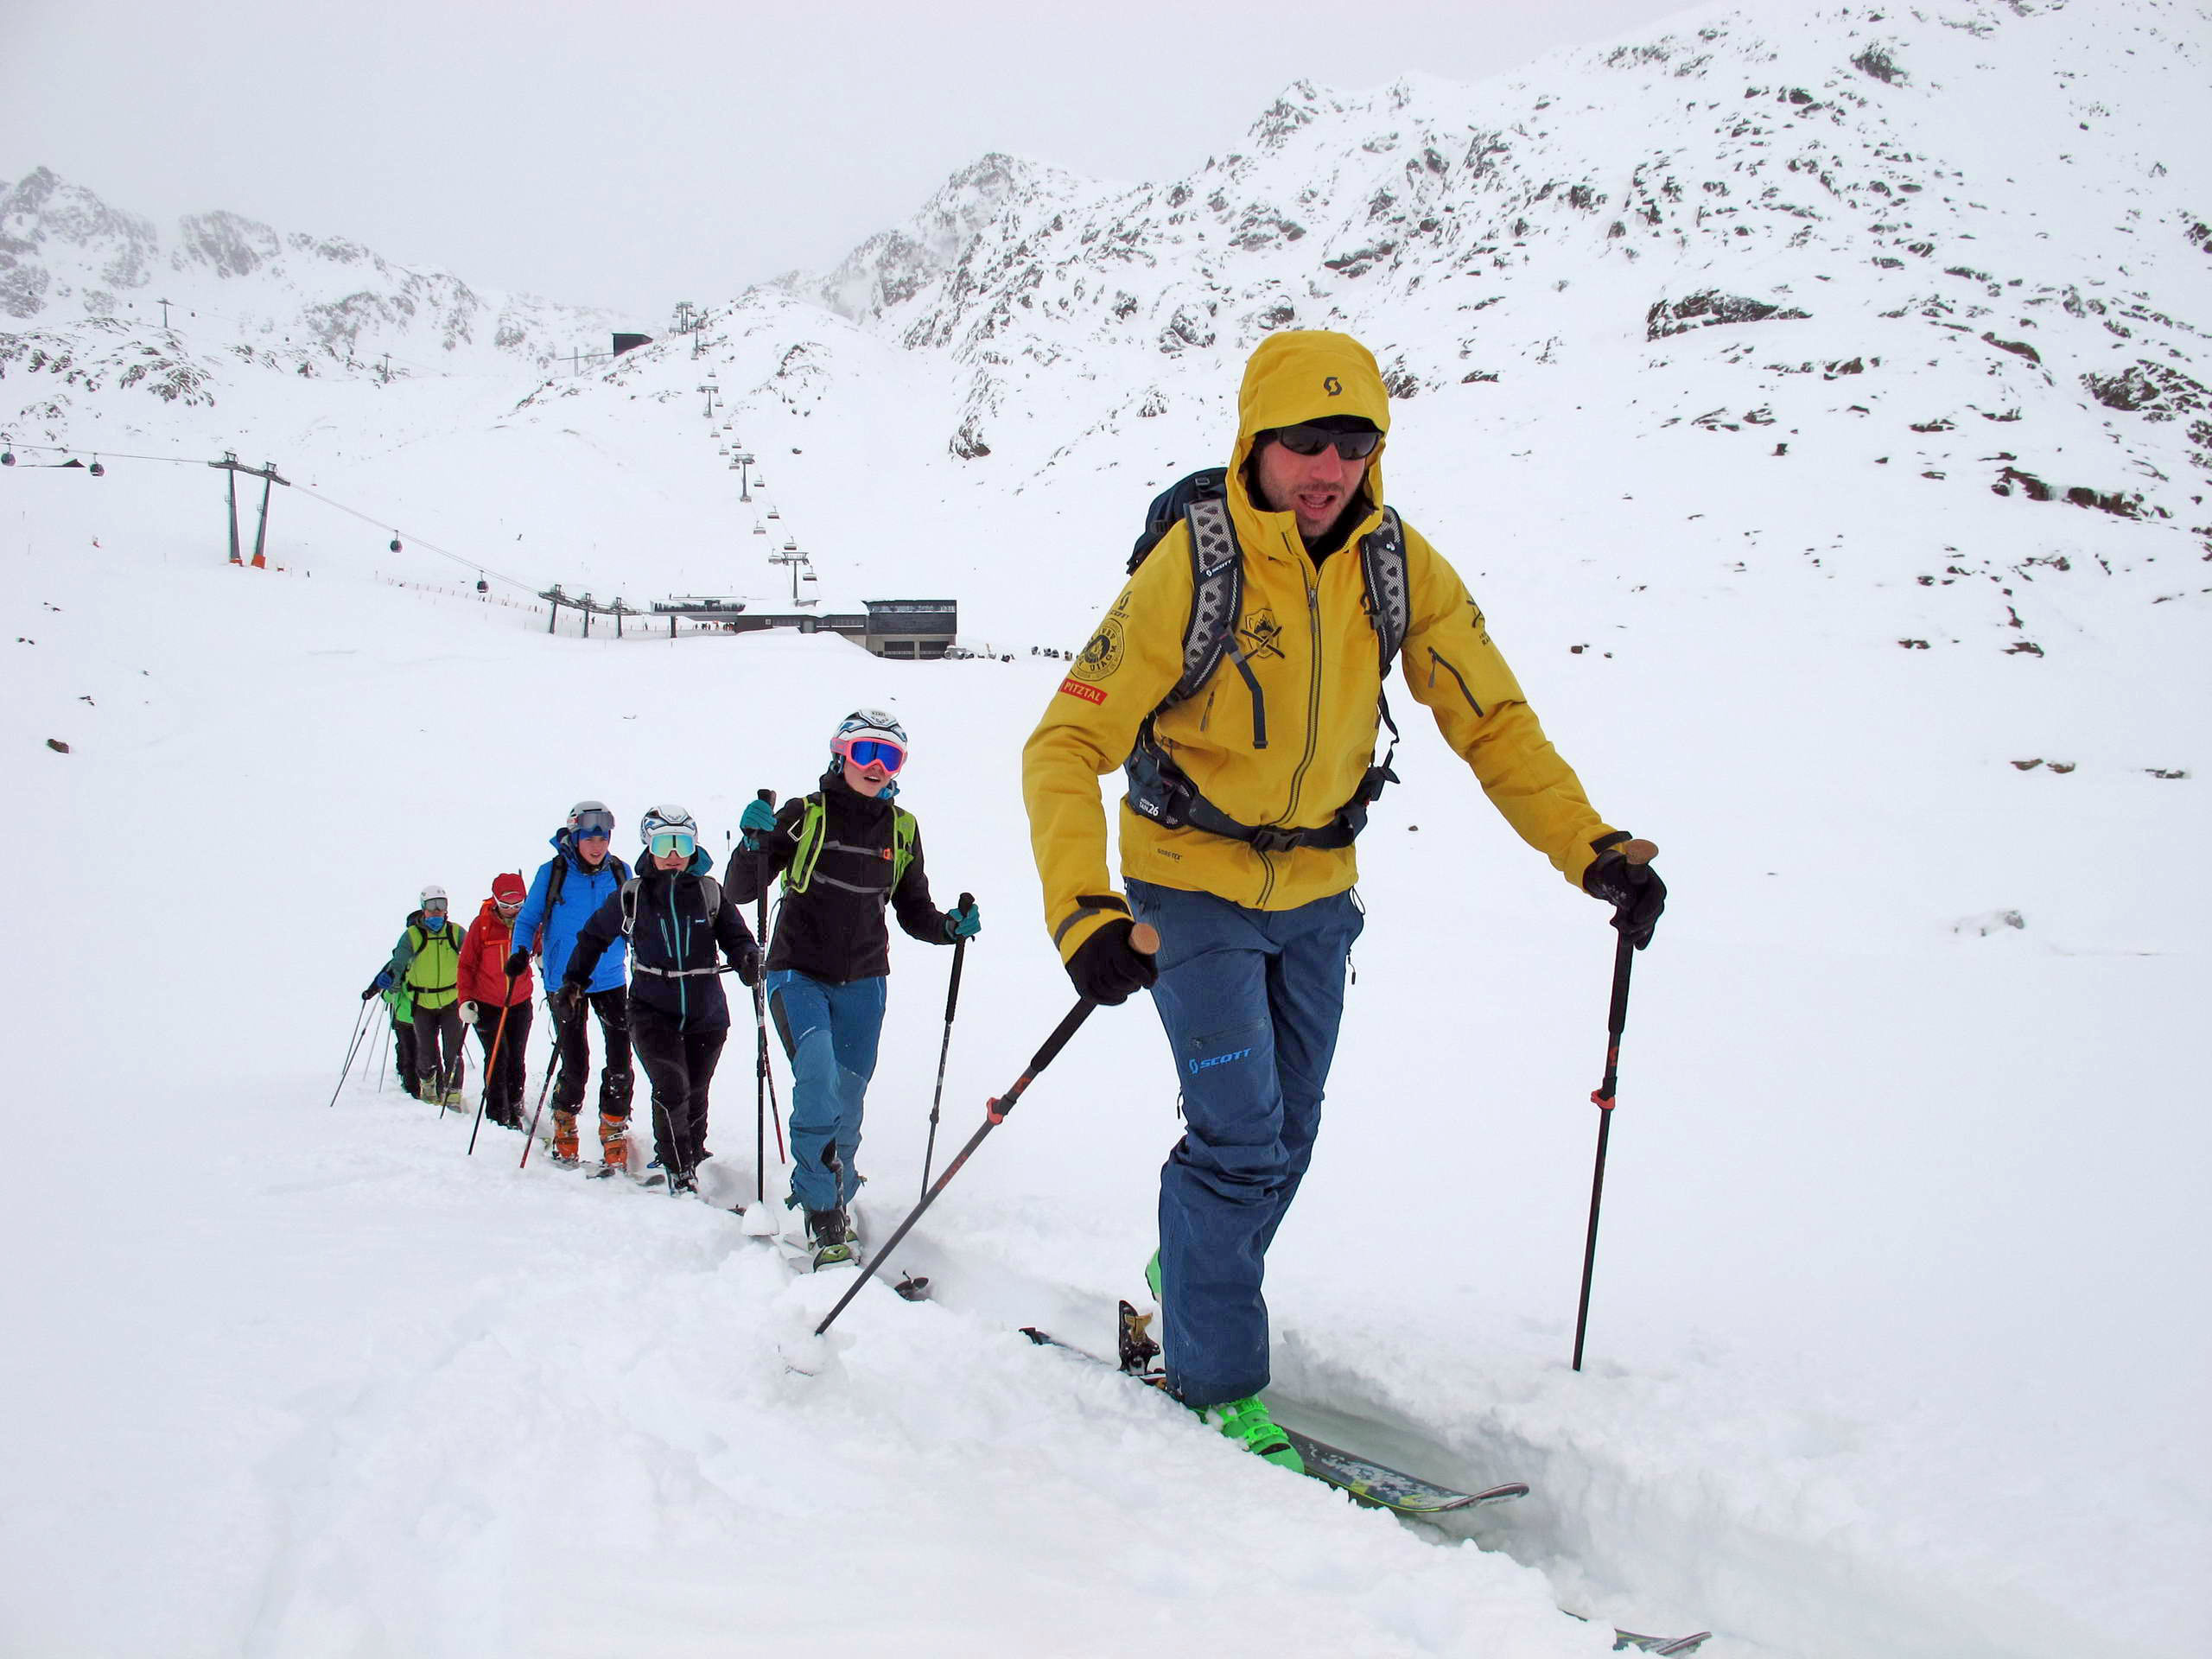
pixel 1812 395
pixel 2011 195
pixel 96 297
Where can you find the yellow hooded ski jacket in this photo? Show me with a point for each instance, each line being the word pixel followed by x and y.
pixel 1306 637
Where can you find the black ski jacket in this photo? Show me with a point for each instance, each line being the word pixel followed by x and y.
pixel 834 931
pixel 672 944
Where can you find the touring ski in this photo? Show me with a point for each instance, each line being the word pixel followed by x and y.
pixel 1362 1479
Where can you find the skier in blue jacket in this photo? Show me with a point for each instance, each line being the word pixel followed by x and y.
pixel 580 877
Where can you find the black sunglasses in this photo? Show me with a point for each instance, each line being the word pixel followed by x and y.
pixel 1313 439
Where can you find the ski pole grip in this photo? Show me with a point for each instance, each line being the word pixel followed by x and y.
pixel 1640 852
pixel 1144 938
pixel 766 796
pixel 966 900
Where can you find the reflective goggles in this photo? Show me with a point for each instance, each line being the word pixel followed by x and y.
pixel 865 752
pixel 665 842
pixel 1313 439
pixel 598 822
pixel 434 906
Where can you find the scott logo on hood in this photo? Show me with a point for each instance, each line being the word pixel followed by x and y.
pixel 1333 387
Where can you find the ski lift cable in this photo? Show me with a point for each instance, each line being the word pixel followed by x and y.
pixel 419 541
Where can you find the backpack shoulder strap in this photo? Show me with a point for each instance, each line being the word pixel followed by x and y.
pixel 711 891
pixel 629 903
pixel 1382 566
pixel 560 880
pixel 1217 595
pixel 902 844
pixel 808 842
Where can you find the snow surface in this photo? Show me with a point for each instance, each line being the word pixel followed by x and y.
pixel 1897 1344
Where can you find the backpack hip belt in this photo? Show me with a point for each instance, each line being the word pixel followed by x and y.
pixel 672 973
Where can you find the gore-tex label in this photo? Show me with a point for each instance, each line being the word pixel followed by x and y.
pixel 1075 688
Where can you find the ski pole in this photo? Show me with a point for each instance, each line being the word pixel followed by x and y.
pixel 951 1001
pixel 360 1025
pixel 499 1037
pixel 1636 852
pixel 761 1080
pixel 552 1018
pixel 1143 938
pixel 383 1054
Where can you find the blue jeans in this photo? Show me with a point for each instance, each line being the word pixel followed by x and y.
pixel 829 1033
pixel 1250 999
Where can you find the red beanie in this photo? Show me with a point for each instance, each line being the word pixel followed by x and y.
pixel 507 889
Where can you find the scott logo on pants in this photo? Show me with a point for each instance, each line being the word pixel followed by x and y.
pixel 1198 1066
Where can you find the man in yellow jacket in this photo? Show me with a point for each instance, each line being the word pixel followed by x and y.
pixel 1245 796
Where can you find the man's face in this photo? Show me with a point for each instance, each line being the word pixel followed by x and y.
pixel 591 849
pixel 1315 487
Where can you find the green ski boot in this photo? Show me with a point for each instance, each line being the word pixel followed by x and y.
pixel 1247 1422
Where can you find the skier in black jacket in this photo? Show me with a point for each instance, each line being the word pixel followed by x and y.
pixel 846 853
pixel 674 913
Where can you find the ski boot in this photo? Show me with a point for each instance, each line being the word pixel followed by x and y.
pixel 851 1217
pixel 1247 1422
pixel 685 1184
pixel 614 1143
pixel 826 1240
pixel 564 1138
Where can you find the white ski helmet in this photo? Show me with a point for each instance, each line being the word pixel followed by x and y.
pixel 660 819
pixel 590 815
pixel 434 891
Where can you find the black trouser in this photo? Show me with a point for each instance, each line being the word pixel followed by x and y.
pixel 438 1045
pixel 503 1077
pixel 680 1065
pixel 615 1079
pixel 403 1051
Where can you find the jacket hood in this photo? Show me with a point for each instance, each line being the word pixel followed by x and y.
pixel 489 912
pixel 1308 374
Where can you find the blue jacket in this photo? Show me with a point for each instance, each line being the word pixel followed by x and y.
pixel 583 890
pixel 672 944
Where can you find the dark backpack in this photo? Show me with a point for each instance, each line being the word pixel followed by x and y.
pixel 1158 787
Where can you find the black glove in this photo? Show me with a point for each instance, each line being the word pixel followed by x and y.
pixel 1634 892
pixel 366 995
pixel 1107 967
pixel 518 964
pixel 569 1000
pixel 748 967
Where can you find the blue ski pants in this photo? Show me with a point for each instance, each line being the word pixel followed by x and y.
pixel 829 1033
pixel 1250 999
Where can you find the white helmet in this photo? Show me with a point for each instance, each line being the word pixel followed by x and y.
pixel 661 820
pixel 433 891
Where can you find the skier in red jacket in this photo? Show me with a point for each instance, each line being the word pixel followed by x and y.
pixel 486 990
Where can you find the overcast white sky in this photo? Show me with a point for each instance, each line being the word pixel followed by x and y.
pixel 631 155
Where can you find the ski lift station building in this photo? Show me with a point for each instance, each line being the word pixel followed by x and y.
pixel 911 629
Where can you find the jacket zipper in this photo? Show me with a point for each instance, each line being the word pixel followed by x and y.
pixel 1312 722
pixel 1436 661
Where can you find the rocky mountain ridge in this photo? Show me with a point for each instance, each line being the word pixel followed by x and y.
pixel 82 283
pixel 2010 185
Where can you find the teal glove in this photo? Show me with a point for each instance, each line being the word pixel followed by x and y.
pixel 963 924
pixel 757 820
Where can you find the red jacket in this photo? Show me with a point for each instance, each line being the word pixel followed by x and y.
pixel 484 962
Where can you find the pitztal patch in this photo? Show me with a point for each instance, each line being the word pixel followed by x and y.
pixel 1075 688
